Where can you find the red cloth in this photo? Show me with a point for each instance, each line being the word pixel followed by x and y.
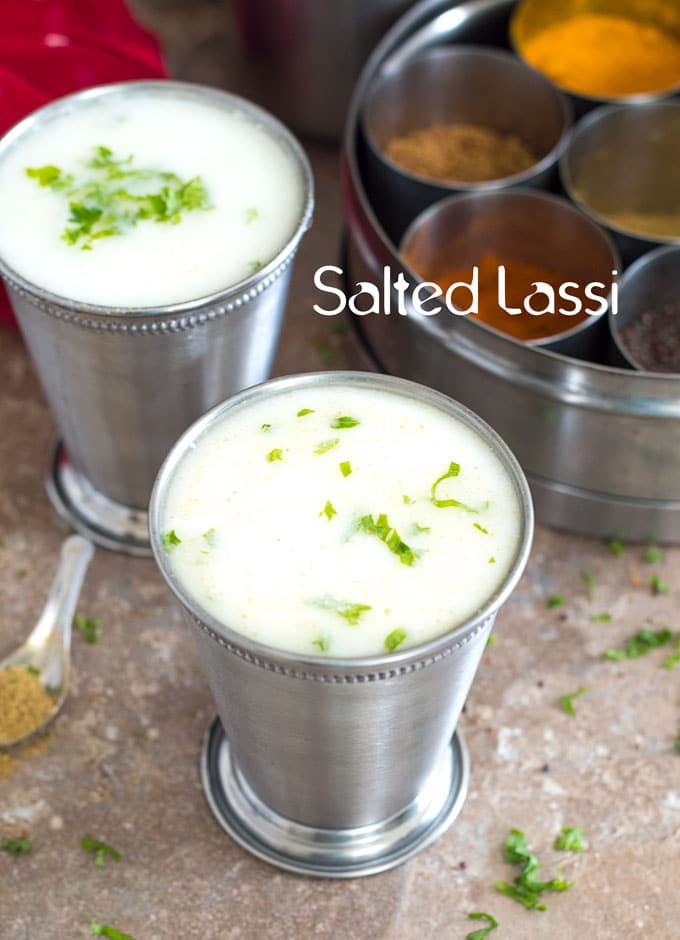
pixel 49 48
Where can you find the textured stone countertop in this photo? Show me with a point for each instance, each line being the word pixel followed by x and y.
pixel 121 761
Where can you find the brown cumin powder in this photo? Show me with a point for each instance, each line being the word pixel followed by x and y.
pixel 460 153
pixel 24 703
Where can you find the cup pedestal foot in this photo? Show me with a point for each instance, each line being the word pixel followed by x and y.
pixel 331 853
pixel 90 513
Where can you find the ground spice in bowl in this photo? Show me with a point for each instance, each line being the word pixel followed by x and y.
pixel 460 153
pixel 652 340
pixel 601 55
pixel 519 277
pixel 25 704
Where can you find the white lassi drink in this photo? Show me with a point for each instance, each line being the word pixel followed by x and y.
pixel 146 198
pixel 340 520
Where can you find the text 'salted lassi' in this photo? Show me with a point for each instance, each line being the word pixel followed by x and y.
pixel 340 520
pixel 146 198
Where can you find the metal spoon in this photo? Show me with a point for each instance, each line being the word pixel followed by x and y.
pixel 48 648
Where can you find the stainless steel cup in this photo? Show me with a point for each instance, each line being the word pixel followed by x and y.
pixel 624 158
pixel 448 84
pixel 123 383
pixel 337 767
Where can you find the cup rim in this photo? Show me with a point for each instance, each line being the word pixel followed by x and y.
pixel 426 652
pixel 550 159
pixel 525 194
pixel 266 273
pixel 587 122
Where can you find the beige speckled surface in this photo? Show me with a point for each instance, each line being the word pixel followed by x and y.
pixel 121 760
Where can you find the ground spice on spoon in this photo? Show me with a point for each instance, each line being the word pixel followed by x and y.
pixel 25 704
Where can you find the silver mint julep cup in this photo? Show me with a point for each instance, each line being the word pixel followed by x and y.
pixel 124 383
pixel 337 767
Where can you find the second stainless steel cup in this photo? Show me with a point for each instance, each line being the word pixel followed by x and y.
pixel 123 383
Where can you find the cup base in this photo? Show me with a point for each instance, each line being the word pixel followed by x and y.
pixel 90 513
pixel 331 853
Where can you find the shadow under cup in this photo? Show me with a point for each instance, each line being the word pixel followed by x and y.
pixel 337 767
pixel 124 383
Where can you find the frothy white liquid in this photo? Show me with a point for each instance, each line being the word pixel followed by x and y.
pixel 258 550
pixel 253 183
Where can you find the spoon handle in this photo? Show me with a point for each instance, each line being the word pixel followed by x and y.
pixel 57 615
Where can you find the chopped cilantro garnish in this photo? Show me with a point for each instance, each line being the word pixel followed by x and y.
pixel 640 644
pixel 382 528
pixel 21 846
pixel 171 540
pixel 32 671
pixel 344 422
pixel 492 560
pixel 88 627
pixel 526 889
pixel 570 839
pixel 658 585
pixel 113 196
pixel 418 529
pixel 674 659
pixel 349 611
pixel 491 640
pixel 329 510
pixel 251 215
pixel 325 446
pixel 652 555
pixel 483 932
pixel 323 643
pixel 395 639
pixel 100 850
pixel 451 473
pixel 254 267
pixel 345 468
pixel 677 741
pixel 305 411
pixel 275 454
pixel 325 352
pixel 480 528
pixel 567 701
pixel 556 600
pixel 21 573
pixel 616 547
pixel 266 427
pixel 210 537
pixel 601 618
pixel 408 501
pixel 588 580
pixel 104 930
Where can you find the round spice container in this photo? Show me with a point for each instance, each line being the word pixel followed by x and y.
pixel 646 331
pixel 508 242
pixel 458 120
pixel 602 50
pixel 621 167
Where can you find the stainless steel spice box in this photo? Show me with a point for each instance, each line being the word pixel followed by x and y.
pixel 600 444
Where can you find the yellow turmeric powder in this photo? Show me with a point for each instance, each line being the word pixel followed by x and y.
pixel 605 56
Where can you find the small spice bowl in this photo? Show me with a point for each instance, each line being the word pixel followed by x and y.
pixel 588 48
pixel 531 233
pixel 649 291
pixel 621 168
pixel 471 85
